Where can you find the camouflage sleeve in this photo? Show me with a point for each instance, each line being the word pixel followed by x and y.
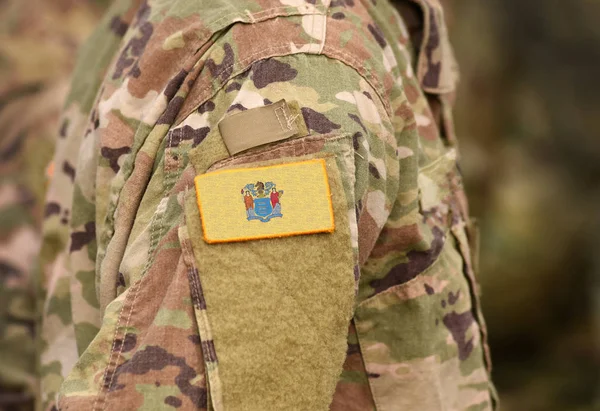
pixel 25 150
pixel 340 112
pixel 25 147
pixel 38 42
pixel 359 262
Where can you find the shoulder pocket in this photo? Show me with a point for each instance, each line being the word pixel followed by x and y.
pixel 275 309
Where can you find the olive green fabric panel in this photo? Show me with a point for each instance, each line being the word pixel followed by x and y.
pixel 279 311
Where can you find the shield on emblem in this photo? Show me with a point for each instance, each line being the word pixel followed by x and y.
pixel 262 207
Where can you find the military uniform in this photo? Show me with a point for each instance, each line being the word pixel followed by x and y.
pixel 264 213
pixel 38 41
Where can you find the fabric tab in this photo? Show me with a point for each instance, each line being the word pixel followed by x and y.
pixel 265 202
pixel 258 126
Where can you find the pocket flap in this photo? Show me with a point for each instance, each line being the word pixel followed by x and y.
pixel 434 185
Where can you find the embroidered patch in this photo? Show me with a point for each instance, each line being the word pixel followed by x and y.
pixel 249 203
pixel 262 201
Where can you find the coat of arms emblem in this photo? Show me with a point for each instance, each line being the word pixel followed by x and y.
pixel 262 201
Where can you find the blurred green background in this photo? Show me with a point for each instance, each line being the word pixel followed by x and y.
pixel 528 119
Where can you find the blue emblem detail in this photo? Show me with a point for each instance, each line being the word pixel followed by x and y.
pixel 262 201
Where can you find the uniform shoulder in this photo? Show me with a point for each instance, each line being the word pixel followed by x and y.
pixel 344 31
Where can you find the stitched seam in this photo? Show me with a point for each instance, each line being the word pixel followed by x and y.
pixel 190 255
pixel 288 120
pixel 312 30
pixel 170 140
pixel 151 245
pixel 191 274
pixel 169 172
pixel 278 118
pixel 327 4
pixel 274 9
pixel 110 359
pixel 137 287
pixel 135 294
pixel 353 61
pixel 355 64
pixel 194 276
pixel 213 384
pixel 108 364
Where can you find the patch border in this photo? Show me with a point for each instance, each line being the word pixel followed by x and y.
pixel 330 229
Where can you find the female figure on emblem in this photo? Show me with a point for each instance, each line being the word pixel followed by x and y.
pixel 249 201
pixel 274 197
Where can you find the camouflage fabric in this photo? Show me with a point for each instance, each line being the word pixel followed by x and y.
pixel 38 41
pixel 126 323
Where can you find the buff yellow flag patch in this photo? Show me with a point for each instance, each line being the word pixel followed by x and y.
pixel 265 202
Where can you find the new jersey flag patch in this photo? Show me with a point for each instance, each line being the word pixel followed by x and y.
pixel 265 202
